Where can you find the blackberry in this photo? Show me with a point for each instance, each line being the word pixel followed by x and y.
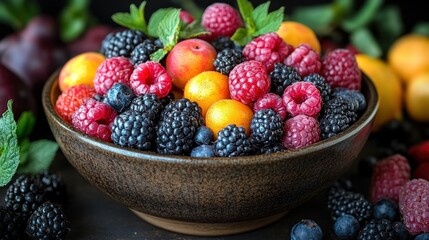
pixel 356 98
pixel 175 134
pixel 341 202
pixel 266 128
pixel 401 232
pixel 48 222
pixel 147 103
pixel 283 76
pixel 121 43
pixel 227 59
pixel 9 225
pixel 185 105
pixel 142 52
pixel 321 84
pixel 277 147
pixel 381 229
pixel 25 195
pixel 337 115
pixel 167 99
pixel 134 129
pixel 232 142
pixel 119 97
pixel 222 43
pixel 54 186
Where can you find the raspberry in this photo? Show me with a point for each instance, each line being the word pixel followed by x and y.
pixel 71 99
pixel 321 84
pixel 232 142
pixel 268 49
pixel 94 118
pixel 419 152
pixel 273 101
pixel 248 81
pixel 151 77
pixel 300 131
pixel 282 76
pixel 111 71
pixel 422 171
pixel 340 69
pixel 186 17
pixel 302 98
pixel 304 59
pixel 227 59
pixel 221 19
pixel 414 205
pixel 389 175
pixel 266 128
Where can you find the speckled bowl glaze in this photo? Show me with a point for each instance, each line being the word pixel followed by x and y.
pixel 215 196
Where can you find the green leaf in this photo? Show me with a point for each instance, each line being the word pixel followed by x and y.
pixel 192 30
pixel 158 55
pixel 25 125
pixel 134 20
pixel 260 12
pixel 155 19
pixel 246 9
pixel 9 150
pixel 24 147
pixel 320 18
pixel 241 37
pixel 365 42
pixel 367 13
pixel 169 27
pixel 17 13
pixel 75 19
pixel 421 28
pixel 270 23
pixel 40 156
pixel 388 26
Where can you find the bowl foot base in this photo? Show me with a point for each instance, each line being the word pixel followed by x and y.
pixel 208 229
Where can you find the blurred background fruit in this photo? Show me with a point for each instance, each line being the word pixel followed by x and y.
pixel 417 97
pixel 295 33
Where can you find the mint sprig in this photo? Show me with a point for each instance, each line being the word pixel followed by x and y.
pixel 257 21
pixel 134 20
pixel 9 150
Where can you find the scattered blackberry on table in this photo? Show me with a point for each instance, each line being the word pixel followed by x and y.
pixel 141 53
pixel 204 136
pixel 282 76
pixel 222 43
pixel 9 224
pixel 119 97
pixel 186 106
pixel 304 59
pixel 54 186
pixel 48 222
pixel 337 116
pixel 175 133
pixel 386 208
pixel 356 98
pixel 121 43
pixel 401 232
pixel 134 129
pixel 341 202
pixel 203 151
pixel 346 227
pixel 300 131
pixel 377 229
pixel 302 98
pixel 266 128
pixel 232 142
pixel 306 229
pixel 227 59
pixel 321 84
pixel 147 103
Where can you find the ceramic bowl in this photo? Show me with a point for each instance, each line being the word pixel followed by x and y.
pixel 210 196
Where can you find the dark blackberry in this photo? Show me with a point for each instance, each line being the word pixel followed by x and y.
pixel 401 232
pixel 175 134
pixel 270 149
pixel 377 230
pixel 9 225
pixel 341 202
pixel 119 97
pixel 54 186
pixel 232 142
pixel 121 43
pixel 337 115
pixel 142 52
pixel 147 103
pixel 167 99
pixel 356 98
pixel 222 43
pixel 321 84
pixel 134 129
pixel 227 59
pixel 266 128
pixel 185 105
pixel 25 195
pixel 48 222
pixel 283 76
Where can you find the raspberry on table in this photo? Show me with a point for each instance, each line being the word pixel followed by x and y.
pixel 300 131
pixel 221 19
pixel 302 98
pixel 141 53
pixel 248 81
pixel 272 101
pixel 94 118
pixel 283 76
pixel 48 222
pixel 337 116
pixel 266 128
pixel 151 77
pixel 232 142
pixel 268 49
pixel 304 59
pixel 70 100
pixel 388 177
pixel 340 69
pixel 377 229
pixel 321 84
pixel 121 43
pixel 119 97
pixel 147 103
pixel 227 59
pixel 111 71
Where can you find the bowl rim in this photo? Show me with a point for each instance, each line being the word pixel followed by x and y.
pixel 52 86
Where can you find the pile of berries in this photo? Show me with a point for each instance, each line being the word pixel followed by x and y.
pixel 297 96
pixel 34 208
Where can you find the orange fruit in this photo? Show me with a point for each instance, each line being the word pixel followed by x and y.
pixel 80 70
pixel 207 88
pixel 295 33
pixel 409 56
pixel 389 88
pixel 417 97
pixel 228 111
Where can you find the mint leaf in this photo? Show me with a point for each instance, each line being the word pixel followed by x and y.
pixel 158 55
pixel 421 28
pixel 320 18
pixel 365 42
pixel 246 8
pixel 9 150
pixel 241 37
pixel 155 19
pixel 261 11
pixel 169 27
pixel 41 153
pixel 24 147
pixel 192 30
pixel 363 16
pixel 270 23
pixel 25 125
pixel 134 20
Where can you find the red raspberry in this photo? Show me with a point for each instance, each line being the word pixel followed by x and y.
pixel 95 119
pixel 71 99
pixel 414 206
pixel 300 131
pixel 273 101
pixel 268 49
pixel 221 19
pixel 340 69
pixel 422 171
pixel 151 77
pixel 302 98
pixel 186 17
pixel 248 81
pixel 111 71
pixel 388 177
pixel 419 152
pixel 304 59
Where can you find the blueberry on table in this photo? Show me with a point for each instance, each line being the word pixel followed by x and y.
pixel 346 227
pixel 306 229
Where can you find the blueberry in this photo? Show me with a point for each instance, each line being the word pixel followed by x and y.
pixel 401 233
pixel 306 229
pixel 204 135
pixel 119 97
pixel 423 236
pixel 385 208
pixel 203 151
pixel 346 227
